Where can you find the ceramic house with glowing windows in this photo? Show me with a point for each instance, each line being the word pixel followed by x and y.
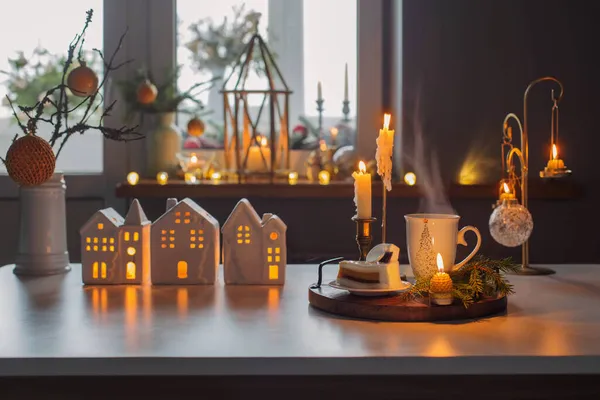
pixel 185 245
pixel 254 248
pixel 116 250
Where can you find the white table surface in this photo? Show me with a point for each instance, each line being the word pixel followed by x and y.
pixel 56 326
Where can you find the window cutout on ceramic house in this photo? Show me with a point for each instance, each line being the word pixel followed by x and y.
pixel 95 270
pixel 88 248
pixel 112 240
pixel 130 273
pixel 88 240
pixel 100 226
pixel 201 232
pixel 95 240
pixel 182 268
pixel 131 251
pixel 103 270
pixel 112 248
pixel 136 236
pixel 264 238
pixel 126 236
pixel 104 240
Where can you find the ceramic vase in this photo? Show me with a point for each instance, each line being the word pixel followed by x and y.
pixel 42 248
pixel 165 143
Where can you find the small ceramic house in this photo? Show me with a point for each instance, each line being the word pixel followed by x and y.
pixel 185 245
pixel 116 250
pixel 254 248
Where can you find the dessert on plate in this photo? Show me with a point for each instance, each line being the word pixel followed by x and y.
pixel 380 271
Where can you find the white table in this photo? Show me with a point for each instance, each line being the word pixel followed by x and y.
pixel 55 326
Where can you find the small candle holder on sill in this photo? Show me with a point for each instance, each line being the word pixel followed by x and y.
pixel 363 235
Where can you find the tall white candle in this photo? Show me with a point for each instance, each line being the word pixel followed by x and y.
pixel 383 155
pixel 319 91
pixel 346 83
pixel 362 191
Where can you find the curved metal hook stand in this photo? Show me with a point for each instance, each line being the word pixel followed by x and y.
pixel 523 155
pixel 321 265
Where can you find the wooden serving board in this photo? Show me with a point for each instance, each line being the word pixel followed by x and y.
pixel 392 308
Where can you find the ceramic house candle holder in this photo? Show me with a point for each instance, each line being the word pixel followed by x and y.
pixel 185 245
pixel 116 250
pixel 254 248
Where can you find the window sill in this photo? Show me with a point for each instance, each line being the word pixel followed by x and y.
pixel 538 189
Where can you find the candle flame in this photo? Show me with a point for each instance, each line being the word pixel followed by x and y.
pixel 194 158
pixel 334 131
pixel 264 142
pixel 506 188
pixel 440 263
pixel 386 121
pixel 362 168
pixel 322 145
pixel 554 152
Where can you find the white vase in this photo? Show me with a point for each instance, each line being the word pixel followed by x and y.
pixel 43 229
pixel 165 143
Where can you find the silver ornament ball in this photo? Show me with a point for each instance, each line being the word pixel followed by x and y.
pixel 511 224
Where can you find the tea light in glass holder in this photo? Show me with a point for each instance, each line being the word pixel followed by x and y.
pixel 293 178
pixel 324 177
pixel 190 178
pixel 133 178
pixel 162 178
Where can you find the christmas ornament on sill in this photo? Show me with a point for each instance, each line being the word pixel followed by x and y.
pixel 30 160
pixel 82 81
pixel 195 127
pixel 146 92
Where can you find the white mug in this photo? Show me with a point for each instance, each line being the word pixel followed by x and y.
pixel 430 234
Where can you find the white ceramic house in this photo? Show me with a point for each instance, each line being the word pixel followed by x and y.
pixel 116 250
pixel 185 245
pixel 254 248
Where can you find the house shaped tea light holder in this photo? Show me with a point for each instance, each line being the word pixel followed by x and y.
pixel 185 245
pixel 254 248
pixel 116 250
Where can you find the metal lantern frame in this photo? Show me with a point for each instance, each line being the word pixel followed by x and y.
pixel 239 141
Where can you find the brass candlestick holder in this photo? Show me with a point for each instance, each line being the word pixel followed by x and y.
pixel 363 236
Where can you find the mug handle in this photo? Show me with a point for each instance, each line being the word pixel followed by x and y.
pixel 461 240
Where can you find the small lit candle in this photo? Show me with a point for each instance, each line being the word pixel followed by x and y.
pixel 410 178
pixel 162 178
pixel 334 132
pixel 555 162
pixel 256 152
pixel 324 177
pixel 190 178
pixel 293 178
pixel 319 91
pixel 362 191
pixel 440 286
pixel 215 176
pixel 506 194
pixel 133 178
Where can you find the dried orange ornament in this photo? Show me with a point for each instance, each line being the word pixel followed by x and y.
pixel 30 160
pixel 195 127
pixel 146 92
pixel 82 81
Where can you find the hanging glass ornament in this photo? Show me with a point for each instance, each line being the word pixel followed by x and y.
pixel 511 223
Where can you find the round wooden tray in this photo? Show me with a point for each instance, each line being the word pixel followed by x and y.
pixel 392 308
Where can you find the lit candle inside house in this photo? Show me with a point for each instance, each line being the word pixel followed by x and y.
pixel 555 162
pixel 362 191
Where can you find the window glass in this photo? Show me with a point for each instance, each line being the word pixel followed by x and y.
pixel 37 35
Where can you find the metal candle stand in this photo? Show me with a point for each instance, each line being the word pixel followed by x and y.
pixel 363 236
pixel 320 110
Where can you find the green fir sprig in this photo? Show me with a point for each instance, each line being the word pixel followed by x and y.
pixel 479 278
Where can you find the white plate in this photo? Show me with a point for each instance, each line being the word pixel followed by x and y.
pixel 372 292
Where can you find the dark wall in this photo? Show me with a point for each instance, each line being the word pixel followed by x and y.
pixel 467 64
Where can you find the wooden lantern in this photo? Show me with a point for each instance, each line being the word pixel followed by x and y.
pixel 256 112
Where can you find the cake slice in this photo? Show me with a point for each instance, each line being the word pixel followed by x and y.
pixel 369 275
